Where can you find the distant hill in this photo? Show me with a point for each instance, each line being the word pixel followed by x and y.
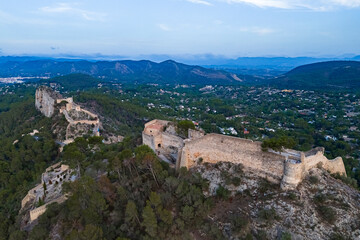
pixel 122 71
pixel 340 75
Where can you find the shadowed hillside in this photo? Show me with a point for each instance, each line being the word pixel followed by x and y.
pixel 332 75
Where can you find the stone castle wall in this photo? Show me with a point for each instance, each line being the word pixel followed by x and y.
pixel 162 140
pixel 335 165
pixel 171 141
pixel 32 194
pixel 294 172
pixel 37 212
pixel 52 173
pixel 195 134
pixel 288 168
pixel 213 148
pixel 156 121
pixel 155 136
pixel 149 141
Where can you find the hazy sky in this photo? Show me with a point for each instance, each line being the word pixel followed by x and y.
pixel 142 27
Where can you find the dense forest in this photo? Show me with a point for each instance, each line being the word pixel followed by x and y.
pixel 22 158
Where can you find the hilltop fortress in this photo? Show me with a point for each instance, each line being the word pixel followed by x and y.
pixel 80 120
pixel 288 167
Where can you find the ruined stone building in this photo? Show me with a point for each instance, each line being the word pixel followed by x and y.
pixel 80 120
pixel 161 137
pixel 48 191
pixel 288 167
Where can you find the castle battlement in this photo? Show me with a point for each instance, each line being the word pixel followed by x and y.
pixel 288 167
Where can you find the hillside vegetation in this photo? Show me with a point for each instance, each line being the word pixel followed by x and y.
pixel 75 81
pixel 339 75
pixel 122 71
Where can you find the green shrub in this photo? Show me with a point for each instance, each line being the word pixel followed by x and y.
pixel 238 222
pixel 267 214
pixel 183 127
pixel 347 180
pixel 285 236
pixel 314 179
pixel 222 192
pixel 337 236
pixel 292 196
pixel 248 237
pixel 236 181
pixel 327 213
pixel 261 235
pixel 319 198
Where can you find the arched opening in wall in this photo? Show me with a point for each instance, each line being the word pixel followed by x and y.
pixel 159 145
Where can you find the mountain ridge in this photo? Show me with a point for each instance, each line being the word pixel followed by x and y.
pixel 332 74
pixel 126 70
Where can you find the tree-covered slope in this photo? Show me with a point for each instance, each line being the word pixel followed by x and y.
pixel 333 75
pixel 123 71
pixel 75 81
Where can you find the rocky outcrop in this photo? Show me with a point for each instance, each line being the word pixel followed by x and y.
pixel 321 207
pixel 45 99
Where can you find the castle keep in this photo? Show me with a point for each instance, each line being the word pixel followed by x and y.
pixel 288 167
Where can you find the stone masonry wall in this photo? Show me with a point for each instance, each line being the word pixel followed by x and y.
pixel 148 140
pixel 333 166
pixel 288 167
pixel 214 148
pixel 169 140
pixel 37 212
pixel 195 134
pixel 294 173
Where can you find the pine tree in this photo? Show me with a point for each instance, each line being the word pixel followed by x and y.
pixel 149 221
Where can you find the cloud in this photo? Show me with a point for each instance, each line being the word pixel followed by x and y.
pixel 258 30
pixel 200 2
pixel 68 8
pixel 348 3
pixel 315 5
pixel 164 27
